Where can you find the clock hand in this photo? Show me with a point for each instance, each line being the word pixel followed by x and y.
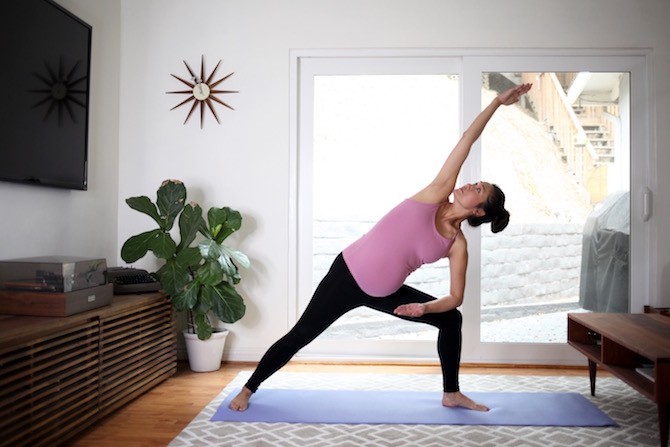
pixel 198 82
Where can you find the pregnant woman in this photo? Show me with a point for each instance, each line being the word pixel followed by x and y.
pixel 371 271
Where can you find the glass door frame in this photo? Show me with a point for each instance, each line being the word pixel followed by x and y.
pixel 471 64
pixel 473 349
pixel 307 65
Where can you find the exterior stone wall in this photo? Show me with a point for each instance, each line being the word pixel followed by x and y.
pixel 529 263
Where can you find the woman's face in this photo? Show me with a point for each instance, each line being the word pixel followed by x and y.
pixel 473 195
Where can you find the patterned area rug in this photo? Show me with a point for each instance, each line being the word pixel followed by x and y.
pixel 636 416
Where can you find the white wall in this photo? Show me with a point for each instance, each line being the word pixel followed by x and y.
pixel 244 162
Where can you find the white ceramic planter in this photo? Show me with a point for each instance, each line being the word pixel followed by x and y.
pixel 205 355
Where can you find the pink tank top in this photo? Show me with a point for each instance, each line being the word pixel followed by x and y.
pixel 401 242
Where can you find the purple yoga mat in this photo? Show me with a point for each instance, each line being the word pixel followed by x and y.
pixel 412 407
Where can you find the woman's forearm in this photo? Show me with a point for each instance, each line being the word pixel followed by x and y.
pixel 508 97
pixel 442 305
pixel 477 127
pixel 431 307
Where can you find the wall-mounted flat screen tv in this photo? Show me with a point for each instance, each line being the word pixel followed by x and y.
pixel 44 85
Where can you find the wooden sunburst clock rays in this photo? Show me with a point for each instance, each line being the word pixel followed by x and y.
pixel 202 92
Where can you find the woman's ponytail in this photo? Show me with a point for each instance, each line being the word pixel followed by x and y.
pixel 500 221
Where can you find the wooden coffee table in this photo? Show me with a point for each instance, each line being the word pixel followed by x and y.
pixel 624 343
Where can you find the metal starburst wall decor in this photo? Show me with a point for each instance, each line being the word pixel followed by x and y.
pixel 202 92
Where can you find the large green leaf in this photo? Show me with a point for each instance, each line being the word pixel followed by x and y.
pixel 179 302
pixel 187 299
pixel 237 255
pixel 212 251
pixel 209 249
pixel 144 205
pixel 163 246
pixel 204 303
pixel 189 258
pixel 173 277
pixel 190 222
pixel 223 222
pixel 203 328
pixel 210 273
pixel 171 200
pixel 227 264
pixel 227 304
pixel 137 246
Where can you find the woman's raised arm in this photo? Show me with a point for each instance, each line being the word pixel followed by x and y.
pixel 443 185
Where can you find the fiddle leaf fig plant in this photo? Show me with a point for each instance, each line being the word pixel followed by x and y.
pixel 199 276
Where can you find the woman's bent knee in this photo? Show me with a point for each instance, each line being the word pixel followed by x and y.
pixel 452 320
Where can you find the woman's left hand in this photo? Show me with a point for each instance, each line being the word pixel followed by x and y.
pixel 410 310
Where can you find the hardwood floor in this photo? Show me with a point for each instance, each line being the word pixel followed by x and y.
pixel 155 418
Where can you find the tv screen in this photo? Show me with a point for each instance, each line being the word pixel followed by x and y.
pixel 44 83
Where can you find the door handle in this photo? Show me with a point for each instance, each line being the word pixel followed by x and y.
pixel 646 204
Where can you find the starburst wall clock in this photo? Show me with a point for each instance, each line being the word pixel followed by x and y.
pixel 202 92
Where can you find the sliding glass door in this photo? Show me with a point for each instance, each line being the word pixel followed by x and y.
pixel 563 157
pixel 371 130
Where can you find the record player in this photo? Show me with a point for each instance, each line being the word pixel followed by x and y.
pixel 53 285
pixel 52 273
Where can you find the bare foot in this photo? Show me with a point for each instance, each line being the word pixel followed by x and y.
pixel 459 399
pixel 241 401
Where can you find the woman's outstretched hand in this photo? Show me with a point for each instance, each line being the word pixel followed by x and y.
pixel 512 95
pixel 410 310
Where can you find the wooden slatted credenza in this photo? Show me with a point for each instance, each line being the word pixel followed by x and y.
pixel 58 375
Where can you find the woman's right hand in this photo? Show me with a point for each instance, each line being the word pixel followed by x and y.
pixel 410 310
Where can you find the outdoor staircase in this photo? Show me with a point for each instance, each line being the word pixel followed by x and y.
pixel 599 135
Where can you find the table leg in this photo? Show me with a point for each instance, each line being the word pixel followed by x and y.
pixel 663 416
pixel 592 376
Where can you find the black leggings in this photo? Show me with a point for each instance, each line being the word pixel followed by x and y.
pixel 337 294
